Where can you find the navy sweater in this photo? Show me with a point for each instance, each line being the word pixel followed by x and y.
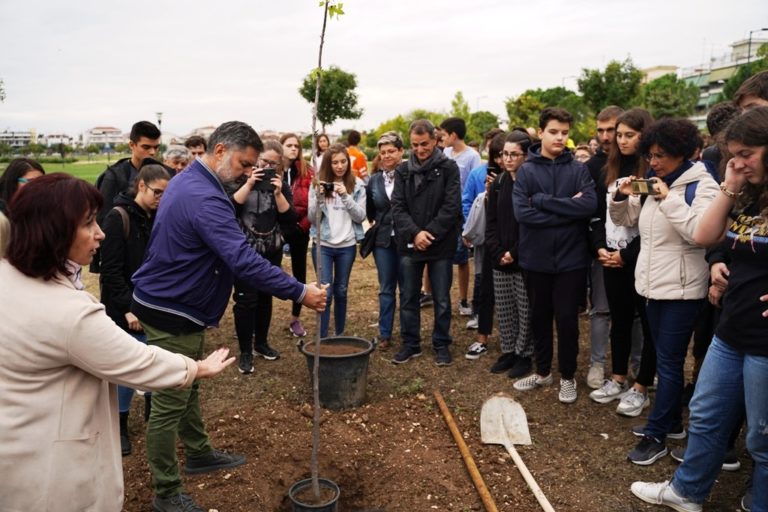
pixel 197 249
pixel 553 224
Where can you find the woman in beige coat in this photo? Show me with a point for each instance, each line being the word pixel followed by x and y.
pixel 61 356
pixel 671 271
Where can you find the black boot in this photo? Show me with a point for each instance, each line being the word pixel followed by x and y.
pixel 125 441
pixel 147 406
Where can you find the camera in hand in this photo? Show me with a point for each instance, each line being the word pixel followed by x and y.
pixel 266 180
pixel 643 187
pixel 327 187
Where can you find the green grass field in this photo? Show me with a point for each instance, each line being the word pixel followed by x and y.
pixel 83 169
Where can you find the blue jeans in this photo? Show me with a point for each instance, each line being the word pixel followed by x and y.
pixel 440 276
pixel 671 323
pixel 336 267
pixel 125 395
pixel 728 381
pixel 388 268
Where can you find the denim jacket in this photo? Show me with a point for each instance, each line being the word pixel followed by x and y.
pixel 355 203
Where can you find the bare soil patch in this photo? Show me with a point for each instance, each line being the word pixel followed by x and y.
pixel 395 453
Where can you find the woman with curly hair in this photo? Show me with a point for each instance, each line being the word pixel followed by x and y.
pixel 735 369
pixel 671 273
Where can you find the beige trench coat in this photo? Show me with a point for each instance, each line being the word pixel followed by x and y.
pixel 60 358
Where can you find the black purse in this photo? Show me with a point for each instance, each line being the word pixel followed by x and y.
pixel 369 241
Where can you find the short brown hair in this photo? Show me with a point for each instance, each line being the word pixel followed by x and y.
pixel 756 85
pixel 610 112
pixel 45 215
pixel 556 113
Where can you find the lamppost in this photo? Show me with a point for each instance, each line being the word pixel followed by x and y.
pixel 159 120
pixel 749 45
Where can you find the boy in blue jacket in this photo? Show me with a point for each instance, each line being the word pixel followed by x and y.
pixel 554 198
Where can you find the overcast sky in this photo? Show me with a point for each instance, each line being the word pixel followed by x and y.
pixel 69 66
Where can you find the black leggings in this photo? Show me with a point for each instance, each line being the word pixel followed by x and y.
pixel 253 312
pixel 624 303
pixel 558 296
pixel 299 243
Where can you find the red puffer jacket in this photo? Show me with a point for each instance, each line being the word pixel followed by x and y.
pixel 300 190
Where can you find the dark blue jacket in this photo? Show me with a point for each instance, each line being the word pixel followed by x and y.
pixel 553 224
pixel 197 249
pixel 378 208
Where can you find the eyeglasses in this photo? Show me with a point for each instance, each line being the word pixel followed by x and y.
pixel 511 154
pixel 263 162
pixel 24 180
pixel 158 192
pixel 657 156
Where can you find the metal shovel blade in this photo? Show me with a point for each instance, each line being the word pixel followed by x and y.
pixel 503 421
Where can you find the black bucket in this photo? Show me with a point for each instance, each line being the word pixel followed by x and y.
pixel 329 506
pixel 343 377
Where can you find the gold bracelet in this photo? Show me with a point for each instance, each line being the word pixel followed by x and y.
pixel 728 193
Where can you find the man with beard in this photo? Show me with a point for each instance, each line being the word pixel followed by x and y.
pixel 195 252
pixel 599 313
pixel 426 213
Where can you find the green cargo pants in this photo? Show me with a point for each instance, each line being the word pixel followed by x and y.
pixel 175 412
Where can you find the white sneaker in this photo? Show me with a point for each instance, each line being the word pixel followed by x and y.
pixel 532 381
pixel 465 310
pixel 567 391
pixel 632 403
pixel 595 375
pixel 610 391
pixel 476 350
pixel 473 323
pixel 663 494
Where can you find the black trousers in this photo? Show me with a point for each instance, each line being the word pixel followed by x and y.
pixel 624 304
pixel 556 296
pixel 253 312
pixel 482 295
pixel 298 243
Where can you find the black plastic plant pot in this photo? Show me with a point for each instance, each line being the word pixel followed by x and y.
pixel 343 370
pixel 303 499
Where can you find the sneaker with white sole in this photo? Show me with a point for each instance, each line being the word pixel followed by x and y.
pixel 647 451
pixel 266 352
pixel 678 431
pixel 595 375
pixel 609 391
pixel 473 323
pixel 297 329
pixel 567 393
pixel 465 309
pixel 476 350
pixel 245 365
pixel 730 461
pixel 533 381
pixel 632 403
pixel 663 494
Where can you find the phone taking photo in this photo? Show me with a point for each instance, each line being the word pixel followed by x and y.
pixel 643 187
pixel 266 180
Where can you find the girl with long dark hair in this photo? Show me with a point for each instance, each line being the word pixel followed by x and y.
pixel 617 248
pixel 298 174
pixel 341 199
